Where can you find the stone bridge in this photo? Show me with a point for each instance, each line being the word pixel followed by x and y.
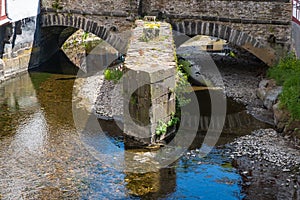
pixel 261 27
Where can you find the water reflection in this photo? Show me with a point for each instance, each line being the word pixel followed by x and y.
pixel 23 133
pixel 31 134
pixel 42 157
pixel 151 185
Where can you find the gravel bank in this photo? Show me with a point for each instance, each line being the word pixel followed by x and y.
pixel 269 164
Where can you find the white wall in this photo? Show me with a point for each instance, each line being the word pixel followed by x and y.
pixel 20 9
pixel 296 38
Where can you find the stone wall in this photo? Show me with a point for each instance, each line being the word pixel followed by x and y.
pixel 257 18
pixel 266 21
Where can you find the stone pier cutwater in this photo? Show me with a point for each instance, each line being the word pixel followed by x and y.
pixel 149 81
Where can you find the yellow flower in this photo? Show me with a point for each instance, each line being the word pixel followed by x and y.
pixel 152 25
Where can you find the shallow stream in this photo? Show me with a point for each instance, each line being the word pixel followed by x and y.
pixel 42 155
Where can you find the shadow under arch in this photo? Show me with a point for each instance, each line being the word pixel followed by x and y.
pixel 53 29
pixel 236 37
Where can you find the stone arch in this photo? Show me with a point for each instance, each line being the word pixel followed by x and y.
pixel 75 21
pixel 236 37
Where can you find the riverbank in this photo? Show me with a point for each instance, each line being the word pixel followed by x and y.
pixel 267 160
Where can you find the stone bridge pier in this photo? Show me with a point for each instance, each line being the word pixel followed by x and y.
pixel 149 81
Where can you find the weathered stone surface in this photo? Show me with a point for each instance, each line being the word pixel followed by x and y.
pixel 261 93
pixel 1 64
pixel 148 82
pixel 281 116
pixel 272 96
pixel 296 38
pixel 268 92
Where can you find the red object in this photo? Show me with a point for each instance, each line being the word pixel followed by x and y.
pixel 3 17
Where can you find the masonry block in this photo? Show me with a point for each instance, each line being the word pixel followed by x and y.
pixel 148 82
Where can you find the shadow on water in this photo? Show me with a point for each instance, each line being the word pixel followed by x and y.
pixel 237 121
pixel 59 63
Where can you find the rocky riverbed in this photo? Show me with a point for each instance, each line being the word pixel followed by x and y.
pixel 268 161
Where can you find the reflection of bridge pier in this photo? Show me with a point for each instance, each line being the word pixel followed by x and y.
pixel 142 176
pixel 152 185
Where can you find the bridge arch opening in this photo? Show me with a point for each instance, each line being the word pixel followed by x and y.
pixel 235 37
pixel 56 28
pixel 85 49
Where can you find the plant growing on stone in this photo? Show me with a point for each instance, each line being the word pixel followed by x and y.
pixel 182 83
pixel 232 54
pixel 143 38
pixel 152 25
pixel 162 127
pixel 85 36
pixel 113 74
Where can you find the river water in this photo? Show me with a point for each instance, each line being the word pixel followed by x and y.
pixel 42 156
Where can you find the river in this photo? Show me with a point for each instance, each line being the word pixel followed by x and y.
pixel 42 156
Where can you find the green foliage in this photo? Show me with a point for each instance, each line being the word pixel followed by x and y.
pixel 290 96
pixel 163 127
pixel 286 68
pixel 143 38
pixel 232 54
pixel 181 89
pixel 185 66
pixel 113 75
pixel 287 73
pixel 182 83
pixel 85 35
pixel 56 5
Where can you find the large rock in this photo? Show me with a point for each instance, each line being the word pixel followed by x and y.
pixel 272 97
pixel 268 92
pixel 264 86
